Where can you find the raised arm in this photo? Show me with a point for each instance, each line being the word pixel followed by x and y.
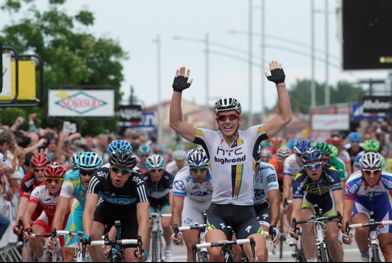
pixel 180 83
pixel 284 116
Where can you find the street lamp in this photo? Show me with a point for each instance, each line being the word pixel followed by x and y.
pixel 159 89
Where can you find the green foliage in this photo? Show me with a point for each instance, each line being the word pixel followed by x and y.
pixel 343 92
pixel 70 56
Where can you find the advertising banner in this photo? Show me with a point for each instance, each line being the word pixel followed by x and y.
pixel 377 104
pixel 81 103
pixel 328 122
pixel 5 90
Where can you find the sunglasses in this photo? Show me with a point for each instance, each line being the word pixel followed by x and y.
pixel 122 171
pixel 312 166
pixel 200 169
pixel 369 172
pixel 54 180
pixel 86 173
pixel 156 170
pixel 231 117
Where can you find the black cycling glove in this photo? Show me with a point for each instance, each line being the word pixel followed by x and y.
pixel 180 83
pixel 277 76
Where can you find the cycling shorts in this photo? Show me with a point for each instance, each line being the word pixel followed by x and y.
pixel 382 211
pixel 325 202
pixel 192 211
pixel 263 213
pixel 44 222
pixel 107 214
pixel 75 223
pixel 163 209
pixel 241 219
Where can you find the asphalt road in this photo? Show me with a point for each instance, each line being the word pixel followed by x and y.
pixel 351 254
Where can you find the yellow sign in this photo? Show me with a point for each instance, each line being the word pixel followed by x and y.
pixel 27 81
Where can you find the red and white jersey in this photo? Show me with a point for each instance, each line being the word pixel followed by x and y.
pixel 44 199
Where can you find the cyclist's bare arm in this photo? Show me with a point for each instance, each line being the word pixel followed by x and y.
pixel 274 199
pixel 347 210
pixel 178 205
pixel 22 206
pixel 297 205
pixel 88 213
pixel 279 121
pixel 61 211
pixel 184 128
pixel 338 198
pixel 287 180
pixel 143 222
pixel 29 212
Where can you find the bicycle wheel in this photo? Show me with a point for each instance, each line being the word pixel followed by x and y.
pixel 375 254
pixel 323 253
pixel 203 256
pixel 281 242
pixel 154 248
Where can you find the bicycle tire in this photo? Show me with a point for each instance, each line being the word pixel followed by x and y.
pixel 323 253
pixel 203 256
pixel 154 248
pixel 281 239
pixel 375 254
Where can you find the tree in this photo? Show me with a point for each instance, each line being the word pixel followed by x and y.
pixel 70 56
pixel 300 94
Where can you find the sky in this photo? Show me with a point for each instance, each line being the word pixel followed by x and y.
pixel 134 24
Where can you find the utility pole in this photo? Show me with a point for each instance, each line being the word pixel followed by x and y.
pixel 312 57
pixel 327 90
pixel 207 68
pixel 262 62
pixel 250 31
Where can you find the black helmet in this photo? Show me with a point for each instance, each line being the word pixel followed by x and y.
pixel 123 158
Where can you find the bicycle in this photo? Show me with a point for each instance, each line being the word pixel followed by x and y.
pixel 157 237
pixel 320 229
pixel 51 255
pixel 373 234
pixel 226 246
pixel 116 245
pixel 202 255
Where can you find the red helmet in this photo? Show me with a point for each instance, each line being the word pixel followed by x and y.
pixel 54 170
pixel 39 160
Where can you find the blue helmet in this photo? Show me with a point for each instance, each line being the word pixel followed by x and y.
pixel 302 146
pixel 74 158
pixel 119 144
pixel 311 155
pixel 291 143
pixel 89 161
pixel 197 158
pixel 354 137
pixel 144 150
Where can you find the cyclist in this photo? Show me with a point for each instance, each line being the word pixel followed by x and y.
pixel 178 163
pixel 326 150
pixel 73 191
pixel 317 183
pixel 354 146
pixel 159 184
pixel 116 193
pixel 278 161
pixel 45 196
pixel 343 153
pixel 192 193
pixel 265 155
pixel 232 153
pixel 369 189
pixel 143 152
pixel 368 146
pixel 267 197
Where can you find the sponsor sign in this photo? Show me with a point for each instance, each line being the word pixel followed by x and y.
pixel 5 90
pixel 147 122
pixel 358 113
pixel 377 104
pixel 130 113
pixel 81 103
pixel 327 122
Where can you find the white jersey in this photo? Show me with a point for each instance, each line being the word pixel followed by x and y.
pixel 44 199
pixel 172 168
pixel 290 166
pixel 266 179
pixel 232 166
pixel 185 185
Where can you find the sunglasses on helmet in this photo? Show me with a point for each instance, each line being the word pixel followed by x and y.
pixel 121 171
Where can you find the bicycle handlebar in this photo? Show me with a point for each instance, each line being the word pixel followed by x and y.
pixel 225 243
pixel 322 219
pixel 114 242
pixel 381 223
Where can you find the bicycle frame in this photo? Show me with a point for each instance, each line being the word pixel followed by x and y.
pixel 157 237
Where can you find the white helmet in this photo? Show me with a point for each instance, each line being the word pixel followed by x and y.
pixel 179 155
pixel 227 104
pixel 371 160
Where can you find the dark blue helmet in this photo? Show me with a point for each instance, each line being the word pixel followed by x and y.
pixel 123 158
pixel 118 144
pixel 311 155
pixel 302 146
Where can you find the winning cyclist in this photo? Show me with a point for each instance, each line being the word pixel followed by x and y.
pixel 369 189
pixel 159 184
pixel 116 193
pixel 45 196
pixel 232 153
pixel 317 184
pixel 74 190
pixel 192 193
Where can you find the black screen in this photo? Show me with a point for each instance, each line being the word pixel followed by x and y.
pixel 367 34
